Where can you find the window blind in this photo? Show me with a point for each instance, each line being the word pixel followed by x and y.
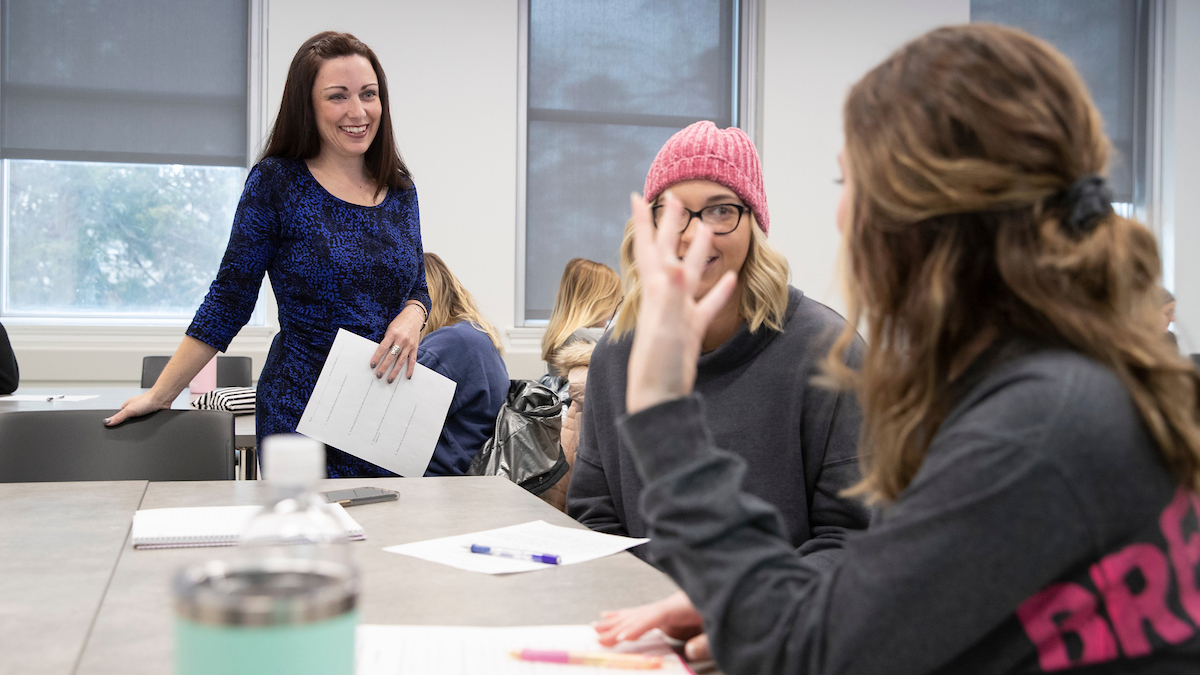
pixel 1105 40
pixel 609 82
pixel 125 81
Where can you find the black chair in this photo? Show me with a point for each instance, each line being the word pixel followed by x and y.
pixel 232 371
pixel 67 445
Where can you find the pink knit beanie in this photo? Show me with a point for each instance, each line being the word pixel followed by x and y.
pixel 725 156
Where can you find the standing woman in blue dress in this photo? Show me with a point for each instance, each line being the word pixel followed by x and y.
pixel 330 213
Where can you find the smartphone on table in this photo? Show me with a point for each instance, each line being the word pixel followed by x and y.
pixel 362 495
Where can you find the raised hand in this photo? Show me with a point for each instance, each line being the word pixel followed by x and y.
pixel 671 320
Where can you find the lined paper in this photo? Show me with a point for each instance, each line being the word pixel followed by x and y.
pixel 395 425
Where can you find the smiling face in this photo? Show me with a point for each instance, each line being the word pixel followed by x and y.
pixel 728 251
pixel 346 105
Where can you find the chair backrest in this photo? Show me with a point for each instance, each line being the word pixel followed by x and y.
pixel 152 367
pixel 67 445
pixel 232 371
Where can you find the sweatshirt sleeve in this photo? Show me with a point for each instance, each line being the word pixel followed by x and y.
pixel 832 423
pixel 995 531
pixel 589 499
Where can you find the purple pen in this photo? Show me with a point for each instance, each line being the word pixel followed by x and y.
pixel 517 554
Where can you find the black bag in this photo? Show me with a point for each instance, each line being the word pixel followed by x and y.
pixel 524 447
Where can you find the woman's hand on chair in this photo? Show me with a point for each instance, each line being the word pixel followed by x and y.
pixel 398 349
pixel 671 321
pixel 142 404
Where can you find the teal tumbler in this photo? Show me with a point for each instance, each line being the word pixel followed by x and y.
pixel 274 615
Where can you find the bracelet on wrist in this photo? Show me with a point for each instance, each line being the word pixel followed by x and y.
pixel 424 313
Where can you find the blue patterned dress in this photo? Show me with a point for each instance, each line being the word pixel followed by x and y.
pixel 332 265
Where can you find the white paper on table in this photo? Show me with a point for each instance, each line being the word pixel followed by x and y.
pixel 65 398
pixel 395 425
pixel 573 545
pixel 469 650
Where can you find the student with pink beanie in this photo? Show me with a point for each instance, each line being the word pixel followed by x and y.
pixel 759 356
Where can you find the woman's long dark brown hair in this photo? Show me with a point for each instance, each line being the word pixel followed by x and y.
pixel 295 135
pixel 960 148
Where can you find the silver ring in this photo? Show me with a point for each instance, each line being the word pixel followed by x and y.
pixel 395 350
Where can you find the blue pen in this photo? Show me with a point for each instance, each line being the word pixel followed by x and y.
pixel 547 558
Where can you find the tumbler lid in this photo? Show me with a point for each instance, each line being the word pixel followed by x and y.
pixel 293 459
pixel 266 592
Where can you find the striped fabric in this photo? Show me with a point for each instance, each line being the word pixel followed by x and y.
pixel 237 400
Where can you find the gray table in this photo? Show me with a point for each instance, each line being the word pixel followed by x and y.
pixel 132 629
pixel 59 544
pixel 107 398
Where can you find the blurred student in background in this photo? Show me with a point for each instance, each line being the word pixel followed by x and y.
pixel 462 345
pixel 10 374
pixel 1032 441
pixel 588 297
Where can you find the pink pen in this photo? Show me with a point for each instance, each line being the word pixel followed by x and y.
pixel 602 659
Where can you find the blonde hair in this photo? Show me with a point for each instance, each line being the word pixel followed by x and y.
pixel 960 147
pixel 588 294
pixel 762 284
pixel 452 302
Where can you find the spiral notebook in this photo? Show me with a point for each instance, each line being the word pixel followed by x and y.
pixel 208 525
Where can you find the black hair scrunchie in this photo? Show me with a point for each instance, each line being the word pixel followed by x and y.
pixel 1084 204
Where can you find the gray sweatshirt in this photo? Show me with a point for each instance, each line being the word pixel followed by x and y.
pixel 799 441
pixel 1042 532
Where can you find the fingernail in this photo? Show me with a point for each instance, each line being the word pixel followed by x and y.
pixel 107 420
pixel 378 375
pixel 372 364
pixel 689 650
pixel 621 637
pixel 391 380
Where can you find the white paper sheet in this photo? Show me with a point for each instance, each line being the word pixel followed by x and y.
pixel 66 398
pixel 573 545
pixel 395 425
pixel 469 650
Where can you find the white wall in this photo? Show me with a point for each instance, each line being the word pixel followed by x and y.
pixel 1183 165
pixel 813 53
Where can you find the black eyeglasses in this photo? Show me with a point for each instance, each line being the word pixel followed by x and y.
pixel 720 218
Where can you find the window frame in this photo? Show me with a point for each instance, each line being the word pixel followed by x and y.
pixel 745 109
pixel 132 325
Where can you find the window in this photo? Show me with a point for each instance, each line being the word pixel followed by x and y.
pixel 1108 41
pixel 608 82
pixel 124 142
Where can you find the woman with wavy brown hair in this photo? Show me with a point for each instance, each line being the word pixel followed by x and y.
pixel 330 214
pixel 1034 444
